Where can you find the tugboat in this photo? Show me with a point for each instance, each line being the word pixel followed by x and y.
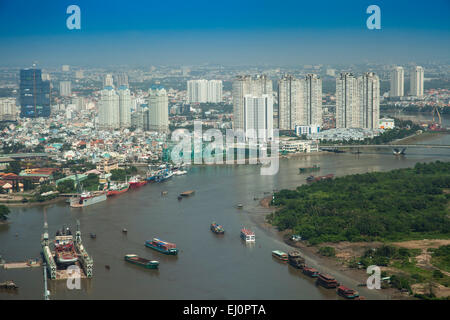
pixel 65 253
pixel 135 259
pixel 347 292
pixel 311 272
pixel 296 260
pixel 280 255
pixel 162 246
pixel 217 229
pixel 327 281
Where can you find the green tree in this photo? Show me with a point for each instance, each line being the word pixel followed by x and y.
pixel 4 212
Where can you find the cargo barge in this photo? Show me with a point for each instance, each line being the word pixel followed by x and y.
pixel 247 235
pixel 327 281
pixel 217 228
pixel 162 246
pixel 296 260
pixel 135 259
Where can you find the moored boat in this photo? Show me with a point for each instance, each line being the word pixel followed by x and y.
pixel 311 272
pixel 136 182
pixel 327 281
pixel 280 255
pixel 309 169
pixel 217 228
pixel 347 292
pixel 296 260
pixel 247 235
pixel 135 259
pixel 162 246
pixel 65 253
pixel 116 189
pixel 187 193
pixel 86 199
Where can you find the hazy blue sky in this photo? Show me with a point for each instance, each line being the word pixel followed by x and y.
pixel 231 32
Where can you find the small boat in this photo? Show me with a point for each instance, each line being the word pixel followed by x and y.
pixel 124 230
pixel 162 246
pixel 8 285
pixel 135 259
pixel 216 228
pixel 280 255
pixel 296 260
pixel 187 193
pixel 327 281
pixel 93 235
pixel 107 267
pixel 309 169
pixel 310 178
pixel 240 206
pixel 347 292
pixel 163 193
pixel 311 272
pixel 180 198
pixel 179 172
pixel 247 235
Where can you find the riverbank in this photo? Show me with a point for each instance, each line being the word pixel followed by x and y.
pixel 32 204
pixel 334 266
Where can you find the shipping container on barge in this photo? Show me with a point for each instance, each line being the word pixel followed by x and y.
pixel 162 246
pixel 135 259
pixel 327 281
pixel 280 255
pixel 347 292
pixel 296 260
pixel 217 228
pixel 247 235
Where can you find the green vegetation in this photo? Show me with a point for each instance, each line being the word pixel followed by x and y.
pixel 4 212
pixel 441 258
pixel 66 186
pixel 397 205
pixel 91 183
pixel 121 174
pixel 14 167
pixel 327 251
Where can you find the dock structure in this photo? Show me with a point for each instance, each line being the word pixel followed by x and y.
pixel 47 254
pixel 87 263
pixel 20 265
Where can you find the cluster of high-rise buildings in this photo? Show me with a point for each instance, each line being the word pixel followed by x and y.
pixel 203 91
pixel 416 80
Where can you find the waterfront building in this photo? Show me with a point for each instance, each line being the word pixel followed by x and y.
pixel 258 117
pixel 347 101
pixel 416 82
pixel 369 104
pixel 158 105
pixel 34 94
pixel 65 88
pixel 397 82
pixel 247 85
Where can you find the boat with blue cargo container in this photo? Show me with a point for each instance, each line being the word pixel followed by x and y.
pixel 162 246
pixel 217 228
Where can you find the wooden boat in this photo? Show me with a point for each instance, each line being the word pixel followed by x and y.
pixel 280 255
pixel 347 292
pixel 296 260
pixel 327 281
pixel 187 193
pixel 311 272
pixel 135 259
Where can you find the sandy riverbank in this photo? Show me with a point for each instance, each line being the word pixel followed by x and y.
pixel 334 266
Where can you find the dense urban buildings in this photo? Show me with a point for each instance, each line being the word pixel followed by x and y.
pixel 397 82
pixel 34 94
pixel 247 85
pixel 203 91
pixel 416 82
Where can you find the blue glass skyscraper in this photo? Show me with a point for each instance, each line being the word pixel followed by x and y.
pixel 34 94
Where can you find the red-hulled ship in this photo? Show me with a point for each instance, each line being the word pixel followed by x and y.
pixel 311 272
pixel 116 189
pixel 136 182
pixel 65 253
pixel 327 281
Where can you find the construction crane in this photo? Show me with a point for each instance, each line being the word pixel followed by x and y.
pixel 436 125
